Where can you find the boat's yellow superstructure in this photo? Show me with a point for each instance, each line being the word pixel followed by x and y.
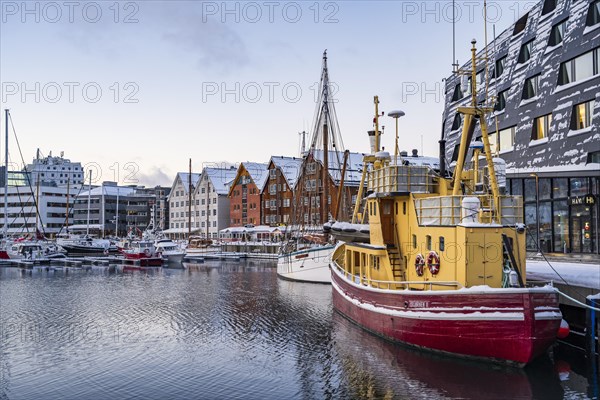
pixel 431 232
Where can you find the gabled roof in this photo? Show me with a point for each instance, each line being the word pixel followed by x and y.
pixel 220 178
pixel 184 178
pixel 336 164
pixel 290 167
pixel 258 172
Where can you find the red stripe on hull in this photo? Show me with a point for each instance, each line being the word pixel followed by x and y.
pixel 493 326
pixel 4 255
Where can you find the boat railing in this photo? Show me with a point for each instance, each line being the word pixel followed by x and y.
pixel 395 285
pixel 401 178
pixel 449 210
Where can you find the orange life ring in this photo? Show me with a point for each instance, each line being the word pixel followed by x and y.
pixel 419 264
pixel 433 263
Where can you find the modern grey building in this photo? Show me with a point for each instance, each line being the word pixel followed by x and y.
pixel 103 208
pixel 543 79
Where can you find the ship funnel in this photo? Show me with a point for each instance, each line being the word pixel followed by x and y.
pixel 415 153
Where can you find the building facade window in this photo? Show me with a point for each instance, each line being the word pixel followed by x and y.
pixel 579 68
pixel 567 213
pixel 593 15
pixel 457 122
pixel 530 89
pixel 520 25
pixel 525 53
pixel 507 138
pixel 557 33
pixel 501 101
pixel 581 117
pixel 499 69
pixel 541 127
pixel 549 6
pixel 458 94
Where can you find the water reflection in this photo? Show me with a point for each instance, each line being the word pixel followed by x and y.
pixel 375 368
pixel 222 330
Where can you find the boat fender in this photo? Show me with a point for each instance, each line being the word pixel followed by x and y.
pixel 147 252
pixel 563 330
pixel 419 264
pixel 433 263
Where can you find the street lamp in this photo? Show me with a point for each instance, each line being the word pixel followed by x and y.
pixel 396 114
pixel 537 210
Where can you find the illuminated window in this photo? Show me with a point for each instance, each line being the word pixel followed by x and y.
pixel 507 138
pixel 541 127
pixel 582 115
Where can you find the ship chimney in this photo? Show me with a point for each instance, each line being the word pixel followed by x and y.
pixel 415 153
pixel 403 153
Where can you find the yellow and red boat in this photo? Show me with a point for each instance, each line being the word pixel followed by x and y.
pixel 444 268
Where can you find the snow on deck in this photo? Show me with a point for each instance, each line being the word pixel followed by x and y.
pixel 583 275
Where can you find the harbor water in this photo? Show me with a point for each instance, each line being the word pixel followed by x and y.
pixel 228 330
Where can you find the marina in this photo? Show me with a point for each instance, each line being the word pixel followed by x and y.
pixel 229 330
pixel 194 231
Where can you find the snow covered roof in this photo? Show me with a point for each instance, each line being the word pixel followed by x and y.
pixel 336 164
pixel 185 178
pixel 258 172
pixel 432 162
pixel 220 178
pixel 290 168
pixel 108 191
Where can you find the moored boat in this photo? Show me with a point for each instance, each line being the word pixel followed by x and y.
pixel 445 266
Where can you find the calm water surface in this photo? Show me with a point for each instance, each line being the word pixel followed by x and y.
pixel 226 330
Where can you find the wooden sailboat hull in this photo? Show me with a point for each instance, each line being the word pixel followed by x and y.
pixel 511 326
pixel 306 265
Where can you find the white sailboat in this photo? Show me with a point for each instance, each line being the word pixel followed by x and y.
pixel 306 254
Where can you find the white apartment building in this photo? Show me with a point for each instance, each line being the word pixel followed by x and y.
pixel 179 206
pixel 211 201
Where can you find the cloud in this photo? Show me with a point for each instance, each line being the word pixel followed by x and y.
pixel 154 176
pixel 214 44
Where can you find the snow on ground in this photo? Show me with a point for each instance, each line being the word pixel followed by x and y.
pixel 584 275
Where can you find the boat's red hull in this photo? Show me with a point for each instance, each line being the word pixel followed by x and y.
pixel 504 325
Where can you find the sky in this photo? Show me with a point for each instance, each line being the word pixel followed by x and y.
pixel 134 89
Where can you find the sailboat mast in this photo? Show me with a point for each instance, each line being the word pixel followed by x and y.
pixel 325 177
pixel 6 174
pixel 190 201
pixel 87 229
pixel 67 214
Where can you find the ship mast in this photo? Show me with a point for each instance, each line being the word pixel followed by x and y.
pixel 474 113
pixel 6 174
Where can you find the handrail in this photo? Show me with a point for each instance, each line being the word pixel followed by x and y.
pixel 368 281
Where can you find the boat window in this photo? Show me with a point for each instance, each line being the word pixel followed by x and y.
pixel 442 245
pixel 404 207
pixel 396 207
pixel 414 240
pixel 375 209
pixel 428 242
